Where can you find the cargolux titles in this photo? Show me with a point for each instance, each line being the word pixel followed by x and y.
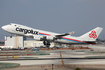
pixel 26 31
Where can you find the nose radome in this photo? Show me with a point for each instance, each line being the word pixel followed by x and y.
pixel 4 27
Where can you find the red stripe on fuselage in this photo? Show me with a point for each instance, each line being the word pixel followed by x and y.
pixel 73 39
pixel 45 34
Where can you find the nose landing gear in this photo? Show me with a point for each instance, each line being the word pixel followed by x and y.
pixel 11 36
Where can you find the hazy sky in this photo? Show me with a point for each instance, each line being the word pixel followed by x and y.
pixel 60 16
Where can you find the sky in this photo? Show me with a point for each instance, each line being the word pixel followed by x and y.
pixel 60 16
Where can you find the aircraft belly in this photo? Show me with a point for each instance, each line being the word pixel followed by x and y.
pixel 65 42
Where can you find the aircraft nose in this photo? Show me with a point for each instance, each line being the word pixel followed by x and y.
pixel 3 27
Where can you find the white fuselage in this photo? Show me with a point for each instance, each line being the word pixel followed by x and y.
pixel 27 31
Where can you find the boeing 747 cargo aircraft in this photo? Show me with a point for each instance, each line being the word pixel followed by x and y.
pixel 48 37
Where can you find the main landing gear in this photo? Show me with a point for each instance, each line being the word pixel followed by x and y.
pixel 47 44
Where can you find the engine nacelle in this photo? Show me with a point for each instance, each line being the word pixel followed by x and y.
pixel 48 38
pixel 43 38
pixel 37 37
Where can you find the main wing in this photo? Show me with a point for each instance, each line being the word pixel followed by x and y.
pixel 65 34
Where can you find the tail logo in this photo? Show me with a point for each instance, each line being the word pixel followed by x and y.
pixel 93 34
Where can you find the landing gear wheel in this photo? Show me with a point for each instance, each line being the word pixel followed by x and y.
pixel 10 36
pixel 47 44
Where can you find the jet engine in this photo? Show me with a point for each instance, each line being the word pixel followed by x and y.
pixel 37 37
pixel 48 38
pixel 43 38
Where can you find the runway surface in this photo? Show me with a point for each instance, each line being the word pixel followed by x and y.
pixel 58 61
pixel 69 57
pixel 57 57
